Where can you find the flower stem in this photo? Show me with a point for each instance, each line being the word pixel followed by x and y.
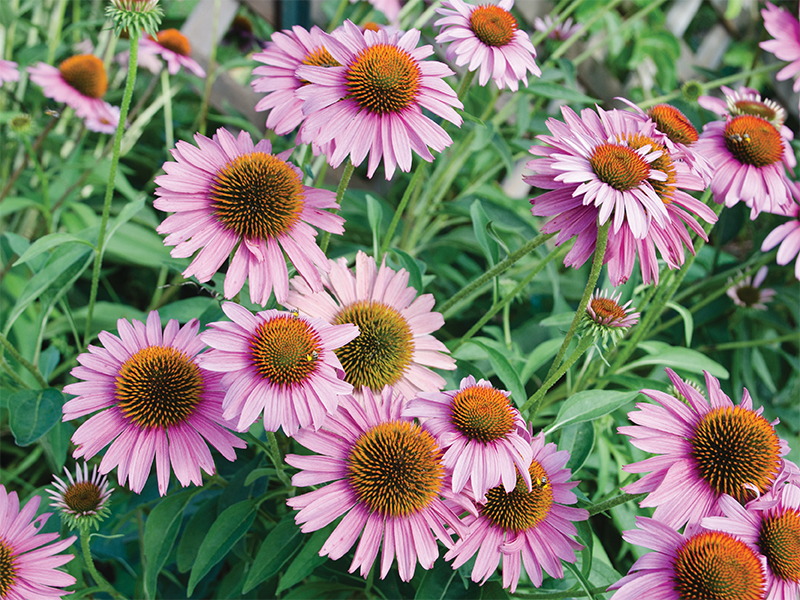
pixel 343 182
pixel 277 460
pixel 337 17
pixel 612 502
pixel 48 214
pixel 412 185
pixel 751 343
pixel 112 175
pixel 87 557
pixel 499 268
pixel 22 361
pixel 168 134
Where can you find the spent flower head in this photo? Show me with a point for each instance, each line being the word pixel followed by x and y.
pixel 135 16
pixel 82 500
pixel 21 125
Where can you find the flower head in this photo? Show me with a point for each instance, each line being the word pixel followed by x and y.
pixel 394 346
pixel 487 36
pixel 135 15
pixel 747 293
pixel 372 103
pixel 386 477
pixel 104 120
pixel 708 448
pixel 696 564
pixel 483 435
pixel 154 401
pixel 770 525
pixel 785 29
pixel 231 196
pixel 528 523
pixel 607 316
pixel 8 71
pixel 173 47
pixel 28 560
pixel 84 500
pixel 557 31
pixel 787 234
pixel 279 364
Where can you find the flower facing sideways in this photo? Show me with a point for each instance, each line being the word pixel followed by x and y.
pixel 82 500
pixel 748 293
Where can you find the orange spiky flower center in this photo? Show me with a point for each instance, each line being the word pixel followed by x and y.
pixel 619 166
pixel 86 74
pixel 482 413
pixel 674 124
pixel 753 141
pixel 520 510
pixel 383 79
pixel 285 350
pixel 492 25
pixel 779 541
pixel 174 40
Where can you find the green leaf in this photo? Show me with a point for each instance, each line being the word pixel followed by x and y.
pixel 137 245
pixel 277 549
pixel 34 413
pixel 126 214
pixel 540 355
pixel 585 535
pixel 549 89
pixel 13 204
pixel 56 444
pixel 306 560
pixel 258 474
pixel 563 319
pixel 193 534
pixel 436 582
pixel 479 222
pixel 760 366
pixel 374 216
pixel 226 530
pixel 414 272
pixel 505 372
pixel 43 244
pixel 589 405
pixel 688 321
pixel 680 358
pixel 470 117
pixel 160 532
pixel 578 440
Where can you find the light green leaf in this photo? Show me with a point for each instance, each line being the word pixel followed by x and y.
pixel 374 216
pixel 555 90
pixel 688 321
pixel 760 366
pixel 680 358
pixel 563 319
pixel 578 440
pixel 411 265
pixel 33 413
pixel 45 243
pixel 540 355
pixel 589 405
pixel 126 214
pixel 13 204
pixel 479 222
pixel 505 372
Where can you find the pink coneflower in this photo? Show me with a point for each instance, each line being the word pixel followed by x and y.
pixel 104 120
pixel 528 524
pixel 28 560
pixel 230 195
pixel 561 31
pixel 696 564
pixel 80 82
pixel 172 46
pixel 785 28
pixel 788 234
pixel 373 103
pixel 607 318
pixel 387 476
pixel 770 525
pixel 747 101
pixel 483 435
pixel 8 71
pixel 488 37
pixel 748 293
pixel 709 448
pixel 395 346
pixel 615 163
pixel 279 364
pixel 283 54
pixel 84 500
pixel 154 401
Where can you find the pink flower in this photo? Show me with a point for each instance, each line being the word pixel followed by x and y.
pixel 531 524
pixel 483 435
pixel 84 500
pixel 8 71
pixel 605 310
pixel 278 364
pixel 487 36
pixel 79 81
pixel 769 525
pixel 154 401
pixel 230 195
pixel 747 294
pixel 105 120
pixel 28 560
pixel 561 31
pixel 697 564
pixel 395 346
pixel 709 448
pixel 384 476
pixel 747 101
pixel 173 47
pixel 785 28
pixel 363 111
pixel 788 234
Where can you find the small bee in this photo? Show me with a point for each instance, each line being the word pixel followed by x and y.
pixel 296 313
pixel 313 356
pixel 541 482
pixel 52 113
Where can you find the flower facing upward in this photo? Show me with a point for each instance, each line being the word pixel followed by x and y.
pixel 698 564
pixel 770 525
pixel 488 37
pixel 483 435
pixel 83 500
pixel 279 364
pixel 154 401
pixel 395 346
pixel 387 476
pixel 8 71
pixel 785 29
pixel 531 524
pixel 788 234
pixel 28 560
pixel 708 448
pixel 373 102
pixel 230 196
pixel 747 293
pixel 173 47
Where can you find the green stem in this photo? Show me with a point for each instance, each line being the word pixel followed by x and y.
pixel 165 91
pixel 343 182
pixel 48 215
pixel 751 343
pixel 87 557
pixel 427 15
pixel 22 361
pixel 594 274
pixel 499 268
pixel 277 460
pixel 212 68
pixel 463 88
pixel 337 17
pixel 612 502
pixel 13 374
pixel 112 175
pixel 412 185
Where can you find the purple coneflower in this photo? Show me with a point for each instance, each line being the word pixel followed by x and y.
pixel 395 345
pixel 8 71
pixel 231 196
pixel 528 526
pixel 154 401
pixel 788 234
pixel 279 364
pixel 708 448
pixel 748 293
pixel 174 47
pixel 483 435
pixel 487 36
pixel 785 28
pixel 373 103
pixel 28 560
pixel 386 477
pixel 84 499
